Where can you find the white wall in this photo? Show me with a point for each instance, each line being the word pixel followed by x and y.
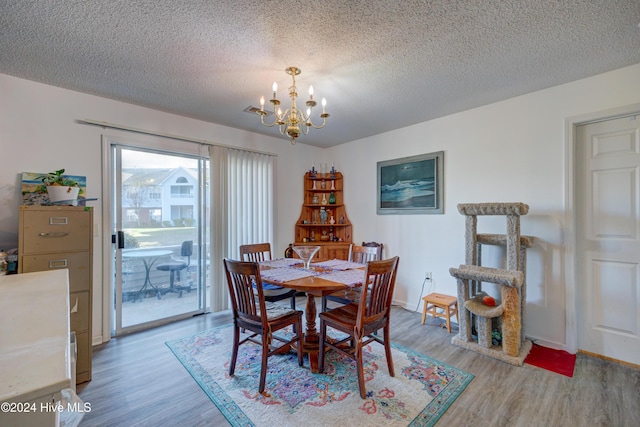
pixel 39 133
pixel 508 151
pixel 511 151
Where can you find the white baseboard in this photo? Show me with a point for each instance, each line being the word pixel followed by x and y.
pixel 404 305
pixel 546 343
pixel 96 340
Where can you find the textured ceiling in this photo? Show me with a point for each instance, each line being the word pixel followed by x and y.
pixel 381 65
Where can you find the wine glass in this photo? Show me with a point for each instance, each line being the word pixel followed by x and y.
pixel 306 253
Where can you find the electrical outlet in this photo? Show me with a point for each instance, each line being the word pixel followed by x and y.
pixel 427 276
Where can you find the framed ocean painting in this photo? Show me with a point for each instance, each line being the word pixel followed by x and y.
pixel 411 185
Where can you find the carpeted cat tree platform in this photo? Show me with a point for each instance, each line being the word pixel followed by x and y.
pixel 508 317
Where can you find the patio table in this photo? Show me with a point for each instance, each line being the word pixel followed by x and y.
pixel 148 257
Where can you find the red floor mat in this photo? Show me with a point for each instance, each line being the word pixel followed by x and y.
pixel 557 361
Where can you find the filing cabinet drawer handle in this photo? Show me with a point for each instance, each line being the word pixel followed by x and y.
pixel 58 263
pixel 58 220
pixel 59 234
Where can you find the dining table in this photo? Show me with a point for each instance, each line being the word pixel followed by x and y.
pixel 322 278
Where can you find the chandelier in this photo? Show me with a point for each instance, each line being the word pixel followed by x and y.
pixel 292 121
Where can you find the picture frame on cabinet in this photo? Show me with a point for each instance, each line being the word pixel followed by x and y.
pixel 34 192
pixel 411 185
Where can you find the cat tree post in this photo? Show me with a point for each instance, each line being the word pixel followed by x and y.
pixel 509 314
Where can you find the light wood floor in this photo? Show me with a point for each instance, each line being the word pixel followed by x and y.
pixel 138 382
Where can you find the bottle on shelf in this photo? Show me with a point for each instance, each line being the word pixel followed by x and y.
pixel 323 216
pixel 288 253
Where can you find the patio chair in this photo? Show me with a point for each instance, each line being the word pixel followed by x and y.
pixel 175 266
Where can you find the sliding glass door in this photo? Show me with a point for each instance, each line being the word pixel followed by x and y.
pixel 159 216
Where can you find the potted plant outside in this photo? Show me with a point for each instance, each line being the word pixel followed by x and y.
pixel 61 188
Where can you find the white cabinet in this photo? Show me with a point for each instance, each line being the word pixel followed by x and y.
pixel 35 353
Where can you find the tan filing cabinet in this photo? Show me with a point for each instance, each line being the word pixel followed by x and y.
pixel 57 237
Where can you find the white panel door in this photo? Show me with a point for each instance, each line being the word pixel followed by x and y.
pixel 608 238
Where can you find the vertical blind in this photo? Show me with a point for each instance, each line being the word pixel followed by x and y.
pixel 242 209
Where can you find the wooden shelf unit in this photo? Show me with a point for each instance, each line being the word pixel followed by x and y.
pixel 333 239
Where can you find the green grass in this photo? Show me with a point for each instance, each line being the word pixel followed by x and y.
pixel 150 237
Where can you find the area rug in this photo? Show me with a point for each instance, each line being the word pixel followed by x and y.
pixel 422 390
pixel 557 361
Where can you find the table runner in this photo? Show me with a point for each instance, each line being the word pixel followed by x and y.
pixel 348 277
pixel 281 262
pixel 338 264
pixel 285 274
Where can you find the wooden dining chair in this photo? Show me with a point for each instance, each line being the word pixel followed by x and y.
pixel 259 252
pixel 374 245
pixel 252 313
pixel 360 254
pixel 360 321
pixel 364 254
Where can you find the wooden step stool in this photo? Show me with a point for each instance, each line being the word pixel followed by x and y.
pixel 446 302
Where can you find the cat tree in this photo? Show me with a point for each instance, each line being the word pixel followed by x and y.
pixel 509 315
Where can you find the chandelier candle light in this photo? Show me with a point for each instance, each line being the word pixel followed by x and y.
pixel 293 121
